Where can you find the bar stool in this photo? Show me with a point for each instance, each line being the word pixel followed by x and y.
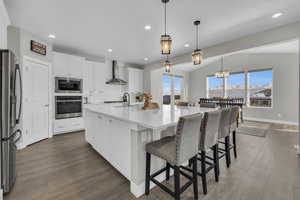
pixel 224 132
pixel 176 150
pixel 209 140
pixel 234 123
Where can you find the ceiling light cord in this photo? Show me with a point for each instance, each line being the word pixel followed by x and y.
pixel 197 37
pixel 165 18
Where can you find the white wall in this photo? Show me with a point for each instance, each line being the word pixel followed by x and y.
pixel 157 84
pixel 285 78
pixel 4 22
pixel 276 35
pixel 19 43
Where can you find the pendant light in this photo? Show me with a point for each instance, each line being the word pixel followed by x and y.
pixel 167 65
pixel 165 40
pixel 197 55
pixel 222 73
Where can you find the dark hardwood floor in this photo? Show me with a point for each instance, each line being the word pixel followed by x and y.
pixel 67 168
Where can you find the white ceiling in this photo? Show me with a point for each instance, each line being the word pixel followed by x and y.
pixel 93 26
pixel 280 48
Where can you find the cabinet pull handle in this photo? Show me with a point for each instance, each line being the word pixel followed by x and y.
pixel 99 117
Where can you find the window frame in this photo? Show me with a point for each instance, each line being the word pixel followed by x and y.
pixel 183 92
pixel 247 84
pixel 207 86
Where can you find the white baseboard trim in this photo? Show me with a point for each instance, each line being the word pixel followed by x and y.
pixel 1 194
pixel 297 148
pixel 139 190
pixel 271 121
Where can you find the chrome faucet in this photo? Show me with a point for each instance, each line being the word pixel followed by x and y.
pixel 126 98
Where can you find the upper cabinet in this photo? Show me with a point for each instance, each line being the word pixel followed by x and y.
pixel 135 80
pixel 65 65
pixel 95 75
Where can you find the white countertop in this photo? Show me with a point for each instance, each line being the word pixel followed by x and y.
pixel 166 116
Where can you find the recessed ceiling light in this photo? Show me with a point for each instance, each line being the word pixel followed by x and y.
pixel 52 36
pixel 146 59
pixel 109 50
pixel 147 27
pixel 186 45
pixel 276 15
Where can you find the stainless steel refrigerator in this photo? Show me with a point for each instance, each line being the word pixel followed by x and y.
pixel 10 109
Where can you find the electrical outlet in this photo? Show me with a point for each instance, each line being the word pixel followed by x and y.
pixel 279 115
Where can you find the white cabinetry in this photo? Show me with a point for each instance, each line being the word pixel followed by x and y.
pixel 94 77
pixel 65 65
pixel 135 80
pixel 68 125
pixel 102 132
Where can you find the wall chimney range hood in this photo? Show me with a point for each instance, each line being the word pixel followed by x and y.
pixel 115 80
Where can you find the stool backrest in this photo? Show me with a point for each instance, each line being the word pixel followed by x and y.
pixel 234 117
pixel 209 130
pixel 224 129
pixel 187 137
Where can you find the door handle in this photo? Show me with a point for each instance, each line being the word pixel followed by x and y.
pixel 17 69
pixel 46 105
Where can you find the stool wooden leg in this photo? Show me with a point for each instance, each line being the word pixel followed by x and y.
pixel 177 182
pixel 203 172
pixel 216 162
pixel 168 172
pixel 148 166
pixel 195 178
pixel 234 143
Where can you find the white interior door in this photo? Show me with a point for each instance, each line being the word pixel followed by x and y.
pixel 36 94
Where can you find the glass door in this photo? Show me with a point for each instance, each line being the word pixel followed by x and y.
pixel 173 89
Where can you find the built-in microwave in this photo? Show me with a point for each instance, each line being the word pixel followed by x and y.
pixel 68 85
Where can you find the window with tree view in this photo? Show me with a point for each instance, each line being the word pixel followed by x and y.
pixel 260 88
pixel 215 87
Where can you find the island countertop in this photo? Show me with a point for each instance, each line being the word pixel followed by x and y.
pixel 165 116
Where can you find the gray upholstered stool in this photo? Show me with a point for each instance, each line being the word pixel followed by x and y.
pixel 209 140
pixel 224 132
pixel 176 150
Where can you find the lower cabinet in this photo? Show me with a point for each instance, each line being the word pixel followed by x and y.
pixel 68 125
pixel 111 139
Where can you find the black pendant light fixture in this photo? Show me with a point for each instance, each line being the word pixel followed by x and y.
pixel 197 55
pixel 165 40
pixel 167 65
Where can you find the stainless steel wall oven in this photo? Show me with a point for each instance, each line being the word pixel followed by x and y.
pixel 68 107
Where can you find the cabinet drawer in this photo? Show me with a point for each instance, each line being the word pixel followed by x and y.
pixel 68 125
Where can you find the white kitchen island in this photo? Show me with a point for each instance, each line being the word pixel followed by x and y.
pixel 119 134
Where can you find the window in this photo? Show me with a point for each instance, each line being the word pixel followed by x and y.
pixel 260 88
pixel 215 87
pixel 236 86
pixel 172 88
